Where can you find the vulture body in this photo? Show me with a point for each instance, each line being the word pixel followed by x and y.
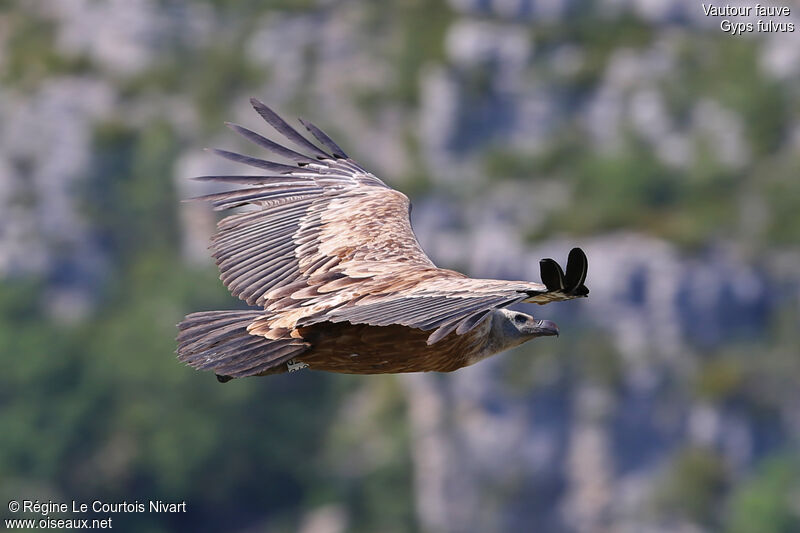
pixel 325 251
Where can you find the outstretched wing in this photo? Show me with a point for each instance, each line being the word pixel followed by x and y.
pixel 442 304
pixel 443 301
pixel 329 241
pixel 312 221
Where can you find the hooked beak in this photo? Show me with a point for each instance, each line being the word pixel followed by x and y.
pixel 545 328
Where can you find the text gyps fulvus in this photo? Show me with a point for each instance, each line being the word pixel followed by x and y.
pixel 328 256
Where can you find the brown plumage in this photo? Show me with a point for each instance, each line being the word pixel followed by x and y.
pixel 327 254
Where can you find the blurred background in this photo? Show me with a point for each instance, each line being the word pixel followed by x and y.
pixel 635 129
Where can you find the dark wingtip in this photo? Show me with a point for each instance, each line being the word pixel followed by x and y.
pixel 551 274
pixel 322 137
pixel 265 111
pixel 285 129
pixel 576 254
pixel 223 379
pixel 577 268
pixel 238 128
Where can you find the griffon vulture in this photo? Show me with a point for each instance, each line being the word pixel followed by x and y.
pixel 327 255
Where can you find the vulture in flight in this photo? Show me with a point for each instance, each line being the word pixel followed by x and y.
pixel 325 253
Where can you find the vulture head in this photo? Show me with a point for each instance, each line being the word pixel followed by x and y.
pixel 512 328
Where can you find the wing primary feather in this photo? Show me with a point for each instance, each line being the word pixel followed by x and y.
pixel 265 181
pixel 256 194
pixel 352 166
pixel 270 145
pixel 246 341
pixel 241 365
pixel 232 347
pixel 209 339
pixel 324 139
pixel 254 162
pixel 285 129
pixel 189 329
pixel 278 357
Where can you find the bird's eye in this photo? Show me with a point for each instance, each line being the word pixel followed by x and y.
pixel 519 319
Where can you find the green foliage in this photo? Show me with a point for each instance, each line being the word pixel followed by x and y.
pixel 30 55
pixel 410 35
pixel 114 416
pixel 629 188
pixel 253 7
pixel 767 502
pixel 778 186
pixel 694 487
pixel 221 73
pixel 720 379
pixel 423 25
pixel 209 77
pixel 367 448
pixel 597 41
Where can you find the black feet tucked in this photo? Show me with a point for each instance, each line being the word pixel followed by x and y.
pixel 570 283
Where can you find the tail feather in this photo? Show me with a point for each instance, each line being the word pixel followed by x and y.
pixel 219 341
